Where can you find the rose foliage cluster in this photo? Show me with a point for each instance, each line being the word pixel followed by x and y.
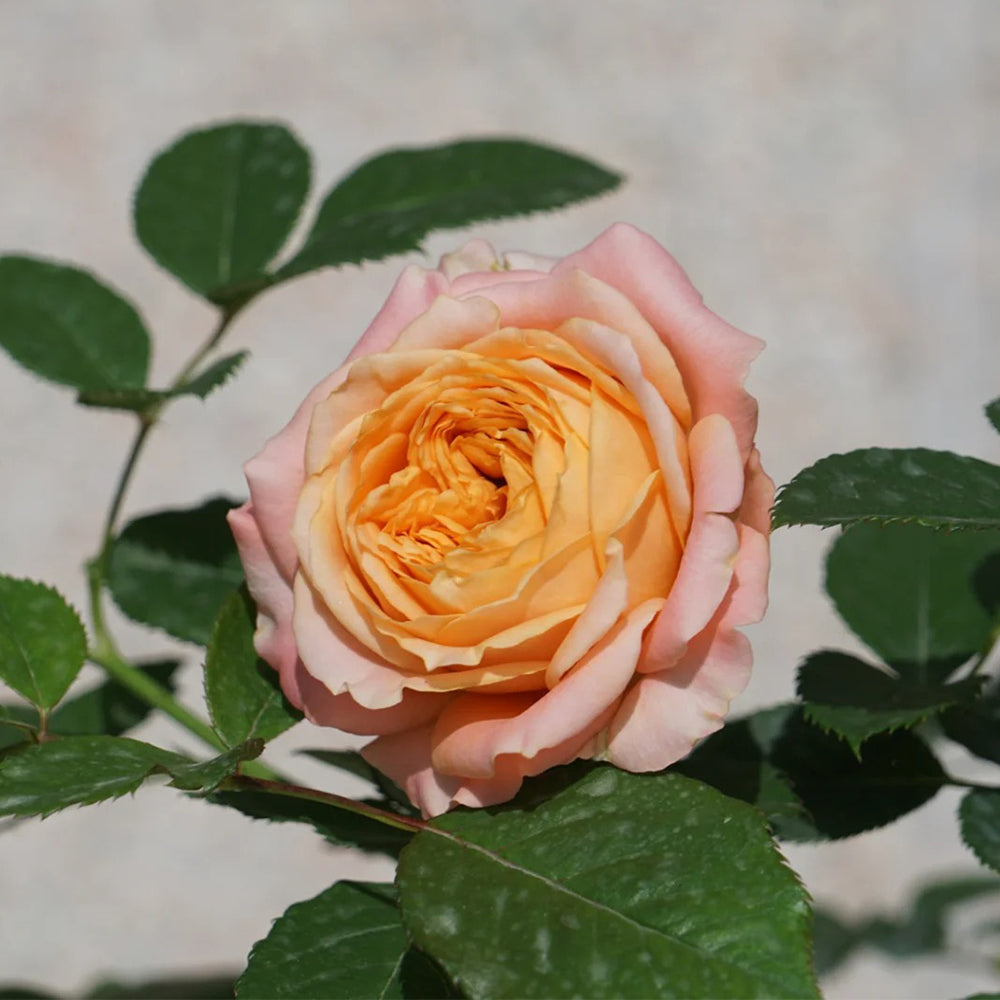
pixel 513 538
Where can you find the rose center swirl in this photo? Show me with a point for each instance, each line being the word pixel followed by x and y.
pixel 465 452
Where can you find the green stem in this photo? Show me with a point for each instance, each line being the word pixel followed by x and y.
pixel 105 652
pixel 245 783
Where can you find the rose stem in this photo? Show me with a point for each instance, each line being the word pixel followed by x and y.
pixel 245 783
pixel 105 652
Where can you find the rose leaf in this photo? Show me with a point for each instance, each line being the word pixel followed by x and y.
pixel 389 203
pixel 885 485
pixel 243 695
pixel 808 783
pixel 736 761
pixel 42 642
pixel 77 770
pixel 993 413
pixel 976 727
pixel 843 795
pixel 620 885
pixel 207 775
pixel 61 323
pixel 174 569
pixel 215 207
pixel 348 941
pixel 979 817
pixel 922 599
pixel 855 700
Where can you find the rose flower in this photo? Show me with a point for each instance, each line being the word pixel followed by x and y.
pixel 520 525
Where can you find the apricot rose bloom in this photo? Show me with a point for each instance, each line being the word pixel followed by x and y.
pixel 520 525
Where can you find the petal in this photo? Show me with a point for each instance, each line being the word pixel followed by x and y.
pixel 665 714
pixel 276 474
pixel 474 257
pixel 716 466
pixel 406 759
pixel 273 637
pixel 702 582
pixel 706 566
pixel 474 730
pixel 569 294
pixel 413 293
pixel 758 496
pixel 713 356
pixel 341 711
pixel 333 656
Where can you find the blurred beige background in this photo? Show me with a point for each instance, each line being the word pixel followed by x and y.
pixel 825 171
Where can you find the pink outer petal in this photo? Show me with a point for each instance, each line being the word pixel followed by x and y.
pixel 475 730
pixel 706 567
pixel 712 355
pixel 406 758
pixel 341 711
pixel 665 714
pixel 273 639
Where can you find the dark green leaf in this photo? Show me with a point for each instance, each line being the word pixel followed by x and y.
pixel 976 727
pixel 143 400
pixel 63 324
pixel 348 941
pixel 844 796
pixel 109 709
pixel 855 700
pixel 935 488
pixel 174 569
pixel 353 763
pixel 622 885
pixel 736 761
pixel 979 815
pixel 218 205
pixel 389 203
pixel 993 413
pixel 913 595
pixel 42 643
pixel 190 988
pixel 336 825
pixel 242 691
pixel 77 770
pixel 207 775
